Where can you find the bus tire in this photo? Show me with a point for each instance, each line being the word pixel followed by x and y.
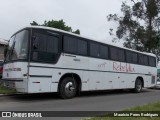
pixel 68 88
pixel 138 86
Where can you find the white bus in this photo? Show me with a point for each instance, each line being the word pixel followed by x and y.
pixel 43 59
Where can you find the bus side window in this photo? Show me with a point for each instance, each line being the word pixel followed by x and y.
pixel 134 58
pixel 129 57
pixel 141 59
pixel 74 45
pixel 113 53
pixel 94 50
pixel 103 51
pixel 146 60
pixel 121 56
pixel 152 62
pixel 45 47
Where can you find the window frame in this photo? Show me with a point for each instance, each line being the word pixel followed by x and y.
pixel 107 51
pixel 116 53
pixel 90 50
pixel 132 62
pixel 124 55
pixel 48 33
pixel 142 59
pixel 155 64
pixel 99 45
pixel 147 60
pixel 74 37
pixel 137 58
pixel 28 52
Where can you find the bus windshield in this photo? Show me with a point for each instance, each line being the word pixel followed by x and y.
pixel 18 46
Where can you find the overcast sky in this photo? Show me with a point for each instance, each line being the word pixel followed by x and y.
pixel 87 15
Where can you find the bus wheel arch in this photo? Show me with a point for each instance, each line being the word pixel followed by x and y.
pixel 75 77
pixel 142 80
pixel 139 84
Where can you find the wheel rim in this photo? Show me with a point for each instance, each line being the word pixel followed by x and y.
pixel 139 85
pixel 69 88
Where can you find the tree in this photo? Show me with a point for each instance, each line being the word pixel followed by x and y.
pixel 139 26
pixel 60 24
pixel 34 23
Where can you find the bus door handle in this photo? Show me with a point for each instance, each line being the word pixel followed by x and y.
pixel 77 60
pixel 110 81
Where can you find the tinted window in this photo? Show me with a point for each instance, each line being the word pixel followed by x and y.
pixel 121 56
pixel 152 61
pixel 103 51
pixel 113 53
pixel 145 60
pixel 117 54
pixel 131 57
pixel 39 42
pixel 45 43
pixel 70 44
pixel 52 44
pixel 82 47
pixel 98 50
pixel 134 57
pixel 75 45
pixel 94 50
pixel 45 47
pixel 141 60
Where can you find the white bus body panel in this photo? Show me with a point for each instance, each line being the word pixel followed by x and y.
pixel 95 74
pixel 16 73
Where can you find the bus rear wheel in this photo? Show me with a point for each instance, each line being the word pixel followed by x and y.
pixel 138 86
pixel 68 88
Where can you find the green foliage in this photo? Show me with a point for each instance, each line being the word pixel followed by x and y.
pixel 34 23
pixel 77 31
pixel 139 26
pixel 4 90
pixel 60 24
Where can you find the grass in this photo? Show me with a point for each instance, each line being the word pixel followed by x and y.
pixel 152 107
pixel 4 90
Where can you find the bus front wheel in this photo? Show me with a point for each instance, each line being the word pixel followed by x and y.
pixel 138 86
pixel 68 88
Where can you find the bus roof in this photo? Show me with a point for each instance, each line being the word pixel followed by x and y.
pixel 62 31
